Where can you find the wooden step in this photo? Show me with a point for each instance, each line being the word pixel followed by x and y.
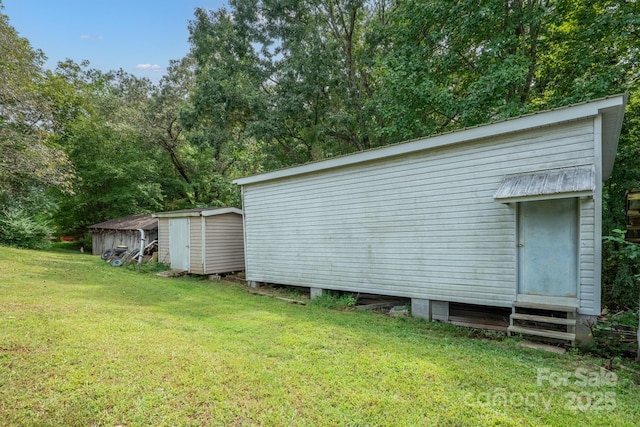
pixel 545 333
pixel 548 307
pixel 544 319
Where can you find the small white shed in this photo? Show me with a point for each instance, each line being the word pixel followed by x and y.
pixel 201 240
pixel 501 215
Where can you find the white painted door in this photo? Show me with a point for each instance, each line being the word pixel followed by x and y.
pixel 179 243
pixel 548 250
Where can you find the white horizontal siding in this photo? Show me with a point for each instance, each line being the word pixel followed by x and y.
pixel 587 256
pixel 421 225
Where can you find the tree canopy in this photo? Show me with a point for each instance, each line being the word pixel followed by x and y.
pixel 28 153
pixel 273 83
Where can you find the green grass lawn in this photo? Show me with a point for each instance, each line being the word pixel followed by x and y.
pixel 83 343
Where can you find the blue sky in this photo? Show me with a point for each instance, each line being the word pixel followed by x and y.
pixel 139 36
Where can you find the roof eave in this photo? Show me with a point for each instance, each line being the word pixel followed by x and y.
pixel 210 212
pixel 612 119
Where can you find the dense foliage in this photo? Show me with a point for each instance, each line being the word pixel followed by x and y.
pixel 273 83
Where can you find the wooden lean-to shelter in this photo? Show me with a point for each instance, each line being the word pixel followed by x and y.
pixel 125 231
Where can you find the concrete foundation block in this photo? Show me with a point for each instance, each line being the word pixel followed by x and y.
pixel 583 329
pixel 440 311
pixel 316 292
pixel 421 308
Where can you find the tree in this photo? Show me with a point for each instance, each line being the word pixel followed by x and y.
pixel 591 51
pixel 462 64
pixel 291 77
pixel 319 81
pixel 458 65
pixel 27 152
pixel 226 96
pixel 162 115
pixel 31 162
pixel 188 178
pixel 116 172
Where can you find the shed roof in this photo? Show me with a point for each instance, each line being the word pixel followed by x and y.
pixel 565 182
pixel 131 222
pixel 209 211
pixel 611 109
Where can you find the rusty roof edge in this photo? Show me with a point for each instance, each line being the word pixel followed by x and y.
pixel 131 222
pixel 510 186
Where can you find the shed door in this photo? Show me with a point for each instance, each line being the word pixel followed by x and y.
pixel 548 250
pixel 179 243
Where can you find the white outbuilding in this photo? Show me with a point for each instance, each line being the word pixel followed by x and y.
pixel 201 240
pixel 504 215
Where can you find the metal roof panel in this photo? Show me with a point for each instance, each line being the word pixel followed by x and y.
pixel 551 182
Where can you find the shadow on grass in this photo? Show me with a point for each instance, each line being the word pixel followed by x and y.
pixel 318 347
pixel 85 277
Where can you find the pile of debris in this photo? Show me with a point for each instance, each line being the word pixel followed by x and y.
pixel 122 255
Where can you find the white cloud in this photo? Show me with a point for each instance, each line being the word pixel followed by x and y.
pixel 88 37
pixel 154 67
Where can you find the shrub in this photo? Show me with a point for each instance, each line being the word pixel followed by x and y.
pixel 615 336
pixel 335 300
pixel 620 272
pixel 19 228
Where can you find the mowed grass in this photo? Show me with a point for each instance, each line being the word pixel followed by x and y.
pixel 83 343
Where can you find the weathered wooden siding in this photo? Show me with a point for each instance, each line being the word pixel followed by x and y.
pixel 423 225
pixel 108 239
pixel 224 243
pixel 163 241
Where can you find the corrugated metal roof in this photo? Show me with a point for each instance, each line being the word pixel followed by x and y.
pixel 132 222
pixel 548 182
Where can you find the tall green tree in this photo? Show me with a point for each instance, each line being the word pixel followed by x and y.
pixel 164 130
pixel 457 64
pixel 228 91
pixel 452 65
pixel 292 77
pixel 116 173
pixel 591 50
pixel 319 83
pixel 193 162
pixel 28 155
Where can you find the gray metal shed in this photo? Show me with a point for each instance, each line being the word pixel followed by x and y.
pixel 201 240
pixel 507 214
pixel 123 231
